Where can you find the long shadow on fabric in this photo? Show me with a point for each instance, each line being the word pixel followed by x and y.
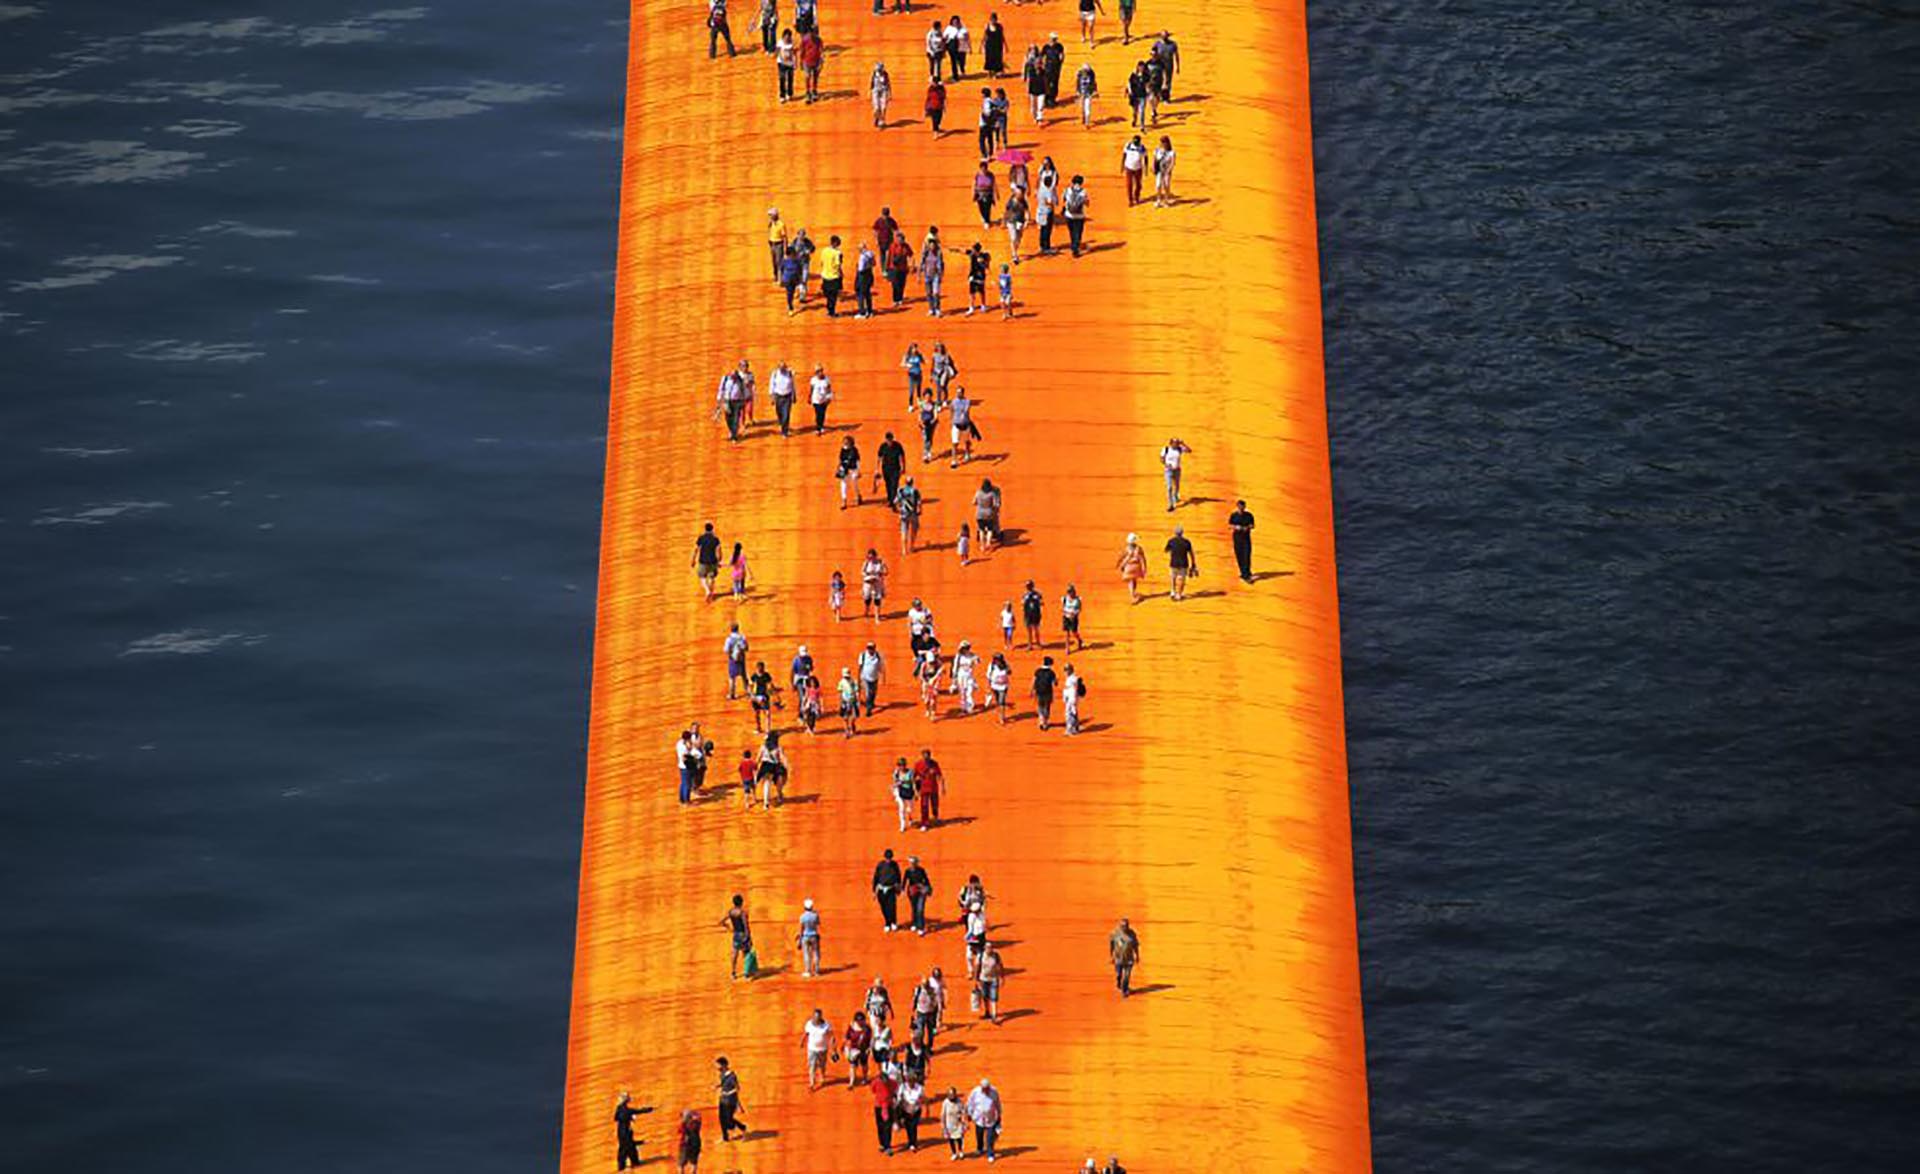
pixel 770 972
pixel 1095 727
pixel 1152 988
pixel 835 95
pixel 1211 593
pixel 1102 247
pixel 1014 1151
pixel 1022 1013
pixel 758 1134
pixel 840 969
pixel 1263 576
pixel 1013 535
pixel 792 800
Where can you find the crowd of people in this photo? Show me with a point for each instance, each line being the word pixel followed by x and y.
pixel 890 1056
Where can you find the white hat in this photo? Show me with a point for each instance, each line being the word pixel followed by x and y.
pixel 1132 538
pixel 807 904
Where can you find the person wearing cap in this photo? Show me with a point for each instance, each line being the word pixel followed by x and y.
pixel 624 1111
pixel 983 1109
pixel 1171 457
pixel 1123 949
pixel 886 890
pixel 776 240
pixel 808 940
pixel 1182 562
pixel 849 703
pixel 1054 54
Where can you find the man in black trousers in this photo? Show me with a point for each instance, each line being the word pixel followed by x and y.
pixel 1240 521
pixel 886 889
pixel 623 1115
pixel 893 463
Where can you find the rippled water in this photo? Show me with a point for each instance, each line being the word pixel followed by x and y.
pixel 1621 308
pixel 303 327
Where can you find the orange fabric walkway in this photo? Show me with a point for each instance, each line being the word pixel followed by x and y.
pixel 1206 800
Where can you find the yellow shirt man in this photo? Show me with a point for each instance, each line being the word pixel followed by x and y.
pixel 831 261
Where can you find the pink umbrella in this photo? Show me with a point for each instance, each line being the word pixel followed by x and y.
pixel 1010 155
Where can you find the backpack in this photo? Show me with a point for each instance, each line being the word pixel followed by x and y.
pixel 1080 685
pixel 750 966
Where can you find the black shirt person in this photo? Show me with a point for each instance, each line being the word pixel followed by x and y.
pixel 729 1089
pixel 623 1115
pixel 706 559
pixel 1044 682
pixel 919 888
pixel 893 462
pixel 1180 561
pixel 886 889
pixel 1240 521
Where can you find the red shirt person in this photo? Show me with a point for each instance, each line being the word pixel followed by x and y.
pixel 929 782
pixel 883 1097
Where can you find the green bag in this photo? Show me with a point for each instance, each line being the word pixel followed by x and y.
pixel 751 965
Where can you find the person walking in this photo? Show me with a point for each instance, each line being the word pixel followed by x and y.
pixel 806 16
pixel 1002 110
pixel 999 682
pixel 1163 158
pixel 781 390
pixel 808 940
pixel 953 1124
pixel 1034 74
pixel 885 228
pixel 986 189
pixel 966 663
pixel 873 585
pixel 1086 87
pixel 624 1111
pixel 737 571
pixel 884 1093
pixel 993 46
pixel 935 105
pixel 1045 680
pixel 1240 522
pixel 1133 566
pixel 915 365
pixel 961 430
pixel 1172 456
pixel 986 513
pixel 927 668
pixel 880 88
pixel 728 1086
pixel 865 266
pixel 886 890
pixel 979 263
pixel 689 1120
pixel 1054 55
pixel 717 29
pixel 832 275
pixel 1167 53
pixel 786 59
pixel 933 270
pixel 957 43
pixel 936 46
pixel 1123 948
pixel 849 695
pixel 793 278
pixel 760 690
pixel 907 504
pixel 872 671
pixel 1071 639
pixel 910 1097
pixel 847 471
pixel 983 1109
pixel 1127 8
pixel 943 371
pixel 879 1008
pixel 813 53
pixel 772 771
pixel 768 22
pixel 1006 294
pixel 1031 604
pixel 929 784
pixel 919 887
pixel 1088 10
pixel 1073 209
pixel 855 1046
pixel 1139 96
pixel 989 976
pixel 820 395
pixel 1072 688
pixel 1013 217
pixel 900 786
pixel 927 413
pixel 1133 165
pixel 1181 562
pixel 734 647
pixel 731 397
pixel 817 1034
pixel 776 240
pixel 706 559
pixel 735 923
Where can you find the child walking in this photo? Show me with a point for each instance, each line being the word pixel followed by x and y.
pixel 1006 293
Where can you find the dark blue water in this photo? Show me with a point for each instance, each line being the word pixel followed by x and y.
pixel 303 365
pixel 1621 329
pixel 303 335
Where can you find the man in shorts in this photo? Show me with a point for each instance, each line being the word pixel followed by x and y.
pixel 872 670
pixel 706 559
pixel 808 940
pixel 1181 562
pixel 907 502
pixel 818 1034
pixel 1123 949
pixel 873 584
pixel 1044 682
pixel 735 647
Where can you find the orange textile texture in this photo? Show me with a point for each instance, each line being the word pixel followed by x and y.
pixel 1205 797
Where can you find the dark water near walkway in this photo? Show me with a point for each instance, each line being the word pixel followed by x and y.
pixel 303 329
pixel 1621 322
